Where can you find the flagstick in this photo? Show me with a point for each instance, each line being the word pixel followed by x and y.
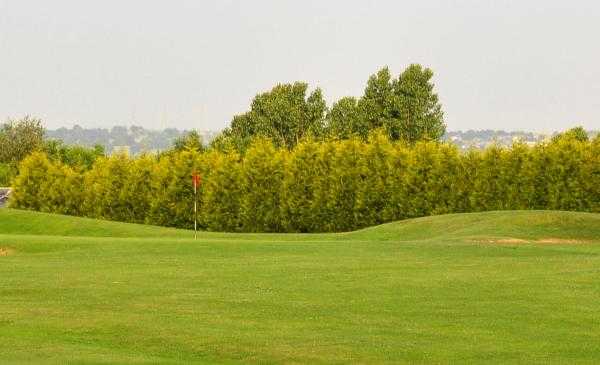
pixel 195 209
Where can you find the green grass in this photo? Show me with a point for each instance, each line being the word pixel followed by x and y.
pixel 448 289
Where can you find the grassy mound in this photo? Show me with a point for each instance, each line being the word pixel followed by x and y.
pixel 14 221
pixel 534 225
pixel 523 225
pixel 428 290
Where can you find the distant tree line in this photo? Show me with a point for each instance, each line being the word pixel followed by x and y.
pixel 316 186
pixel 136 138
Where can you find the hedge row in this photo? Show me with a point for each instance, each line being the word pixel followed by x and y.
pixel 317 186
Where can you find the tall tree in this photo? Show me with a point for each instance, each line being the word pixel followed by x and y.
pixel 406 107
pixel 417 105
pixel 284 114
pixel 376 107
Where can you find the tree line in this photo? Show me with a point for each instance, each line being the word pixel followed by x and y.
pixel 316 186
pixel 136 138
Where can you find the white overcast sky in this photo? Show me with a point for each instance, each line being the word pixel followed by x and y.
pixel 514 65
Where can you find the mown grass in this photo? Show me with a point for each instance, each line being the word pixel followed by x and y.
pixel 448 289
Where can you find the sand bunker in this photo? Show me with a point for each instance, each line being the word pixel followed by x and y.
pixel 563 241
pixel 6 251
pixel 543 241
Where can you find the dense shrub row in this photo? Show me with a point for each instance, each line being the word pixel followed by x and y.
pixel 317 186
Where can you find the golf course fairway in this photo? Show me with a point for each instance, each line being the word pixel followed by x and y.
pixel 494 287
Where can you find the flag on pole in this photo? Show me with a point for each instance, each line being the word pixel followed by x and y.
pixel 196 180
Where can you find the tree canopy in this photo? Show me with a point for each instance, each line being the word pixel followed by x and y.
pixel 285 114
pixel 406 107
pixel 18 138
pixel 189 141
pixel 75 156
pixel 577 133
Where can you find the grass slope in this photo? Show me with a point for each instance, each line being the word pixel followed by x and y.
pixel 13 221
pixel 497 287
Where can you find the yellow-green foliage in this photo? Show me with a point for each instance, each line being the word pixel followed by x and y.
pixel 262 174
pixel 317 186
pixel 104 185
pixel 137 192
pixel 222 191
pixel 171 191
pixel 47 186
pixel 300 188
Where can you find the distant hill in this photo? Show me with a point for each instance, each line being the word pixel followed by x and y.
pixel 134 139
pixel 483 138
pixel 137 139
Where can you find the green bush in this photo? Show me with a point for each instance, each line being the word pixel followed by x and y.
pixel 317 186
pixel 221 192
pixel 262 173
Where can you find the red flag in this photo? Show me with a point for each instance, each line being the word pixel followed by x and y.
pixel 196 180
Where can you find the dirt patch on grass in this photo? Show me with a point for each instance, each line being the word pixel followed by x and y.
pixel 511 240
pixel 563 241
pixel 508 240
pixel 540 241
pixel 6 251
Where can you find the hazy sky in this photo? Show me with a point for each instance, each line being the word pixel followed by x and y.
pixel 527 65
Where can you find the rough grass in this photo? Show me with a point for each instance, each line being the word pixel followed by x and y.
pixel 462 288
